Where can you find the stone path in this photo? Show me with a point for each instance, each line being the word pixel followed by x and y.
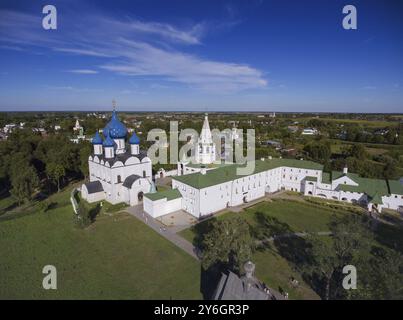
pixel 170 235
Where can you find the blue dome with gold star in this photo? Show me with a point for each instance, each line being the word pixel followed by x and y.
pixel 115 129
pixel 134 139
pixel 108 142
pixel 97 139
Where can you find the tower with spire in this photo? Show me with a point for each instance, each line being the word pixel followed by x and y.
pixel 205 148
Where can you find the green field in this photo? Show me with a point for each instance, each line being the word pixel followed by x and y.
pixel 367 123
pixel 295 216
pixel 117 257
pixel 272 266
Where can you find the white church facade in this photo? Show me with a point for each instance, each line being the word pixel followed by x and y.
pixel 117 172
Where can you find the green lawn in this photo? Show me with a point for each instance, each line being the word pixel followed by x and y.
pixel 118 257
pixel 272 266
pixel 294 216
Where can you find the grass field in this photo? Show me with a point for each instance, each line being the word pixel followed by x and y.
pixel 117 257
pixel 297 216
pixel 271 267
pixel 367 123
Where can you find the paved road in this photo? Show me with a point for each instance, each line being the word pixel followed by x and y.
pixel 137 211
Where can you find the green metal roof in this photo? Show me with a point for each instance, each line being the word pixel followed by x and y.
pixel 309 178
pixel 395 187
pixel 376 199
pixel 371 187
pixel 326 177
pixel 338 174
pixel 207 166
pixel 168 194
pixel 229 172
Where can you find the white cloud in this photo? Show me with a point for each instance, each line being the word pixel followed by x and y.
pixel 137 48
pixel 83 71
pixel 369 88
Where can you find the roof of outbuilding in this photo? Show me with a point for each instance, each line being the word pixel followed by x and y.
pixel 228 173
pixel 395 187
pixel 122 157
pixel 94 187
pixel 326 177
pixel 130 180
pixel 338 174
pixel 168 194
pixel 371 187
pixel 376 199
pixel 232 287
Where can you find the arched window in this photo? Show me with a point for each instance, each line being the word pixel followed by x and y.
pixel 119 179
pixel 144 174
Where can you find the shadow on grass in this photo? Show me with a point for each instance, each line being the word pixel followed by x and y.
pixel 390 236
pixel 296 250
pixel 266 226
pixel 93 212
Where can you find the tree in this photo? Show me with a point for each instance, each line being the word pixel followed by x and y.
pixel 380 276
pixel 390 168
pixel 83 218
pixel 24 180
pixel 351 236
pixel 358 151
pixel 55 172
pixel 318 151
pixel 228 242
pixel 85 152
pixel 325 261
pixel 350 244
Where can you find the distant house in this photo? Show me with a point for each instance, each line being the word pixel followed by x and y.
pixel 8 128
pixel 42 131
pixel 381 132
pixel 309 131
pixel 273 143
pixel 289 151
pixel 293 129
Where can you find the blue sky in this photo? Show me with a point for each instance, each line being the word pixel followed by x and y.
pixel 202 55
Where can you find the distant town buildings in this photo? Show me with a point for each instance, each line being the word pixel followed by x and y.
pixel 77 126
pixel 309 131
pixel 293 129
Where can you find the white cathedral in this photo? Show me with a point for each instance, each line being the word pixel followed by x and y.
pixel 205 186
pixel 118 173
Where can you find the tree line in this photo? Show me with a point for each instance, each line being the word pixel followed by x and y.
pixel 31 164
